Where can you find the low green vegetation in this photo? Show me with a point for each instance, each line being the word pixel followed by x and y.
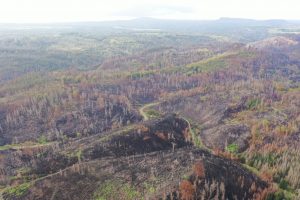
pixel 232 148
pixel 79 155
pixel 6 147
pixel 24 145
pixel 42 140
pixel 130 192
pixel 258 159
pixel 253 103
pixel 14 146
pixel 196 139
pixel 247 54
pixel 252 169
pixel 19 190
pixel 115 189
pixel 143 111
pixel 208 65
pixel 153 113
pixel 283 183
pixel 106 191
pixel 150 188
pixel 141 74
pixel 280 195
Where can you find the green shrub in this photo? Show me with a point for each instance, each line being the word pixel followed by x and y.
pixel 252 103
pixel 269 159
pixel 283 184
pixel 232 148
pixel 280 195
pixel 153 113
pixel 42 139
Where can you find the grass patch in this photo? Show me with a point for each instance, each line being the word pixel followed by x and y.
pixel 205 66
pixel 193 128
pixel 252 104
pixel 258 160
pixel 42 140
pixel 15 146
pixel 232 148
pixel 281 195
pixel 141 74
pixel 196 140
pixel 150 188
pixel 23 145
pixel 19 190
pixel 6 147
pixel 115 190
pixel 124 130
pixel 247 54
pixel 208 65
pixel 152 113
pixel 252 169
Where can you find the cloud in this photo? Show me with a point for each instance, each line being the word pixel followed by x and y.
pixel 97 10
pixel 154 10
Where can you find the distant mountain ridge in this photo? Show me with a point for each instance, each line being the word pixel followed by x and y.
pixel 155 22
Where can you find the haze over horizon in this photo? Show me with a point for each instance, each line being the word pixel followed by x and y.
pixel 51 11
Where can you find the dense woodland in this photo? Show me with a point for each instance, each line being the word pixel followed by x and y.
pixel 82 106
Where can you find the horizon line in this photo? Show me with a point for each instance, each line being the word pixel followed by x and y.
pixel 141 18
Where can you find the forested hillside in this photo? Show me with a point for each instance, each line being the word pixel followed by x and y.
pixel 150 109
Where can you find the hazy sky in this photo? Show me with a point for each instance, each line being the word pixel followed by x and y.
pixel 95 10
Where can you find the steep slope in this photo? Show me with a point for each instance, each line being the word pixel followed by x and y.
pixel 144 161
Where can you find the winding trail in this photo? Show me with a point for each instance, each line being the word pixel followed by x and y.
pixel 196 140
pixel 142 110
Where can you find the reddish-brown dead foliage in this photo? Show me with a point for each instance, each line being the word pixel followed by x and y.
pixel 266 176
pixel 223 154
pixel 161 135
pixel 262 195
pixel 187 190
pixel 199 169
pixel 144 128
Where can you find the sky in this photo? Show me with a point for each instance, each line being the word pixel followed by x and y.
pixel 48 11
